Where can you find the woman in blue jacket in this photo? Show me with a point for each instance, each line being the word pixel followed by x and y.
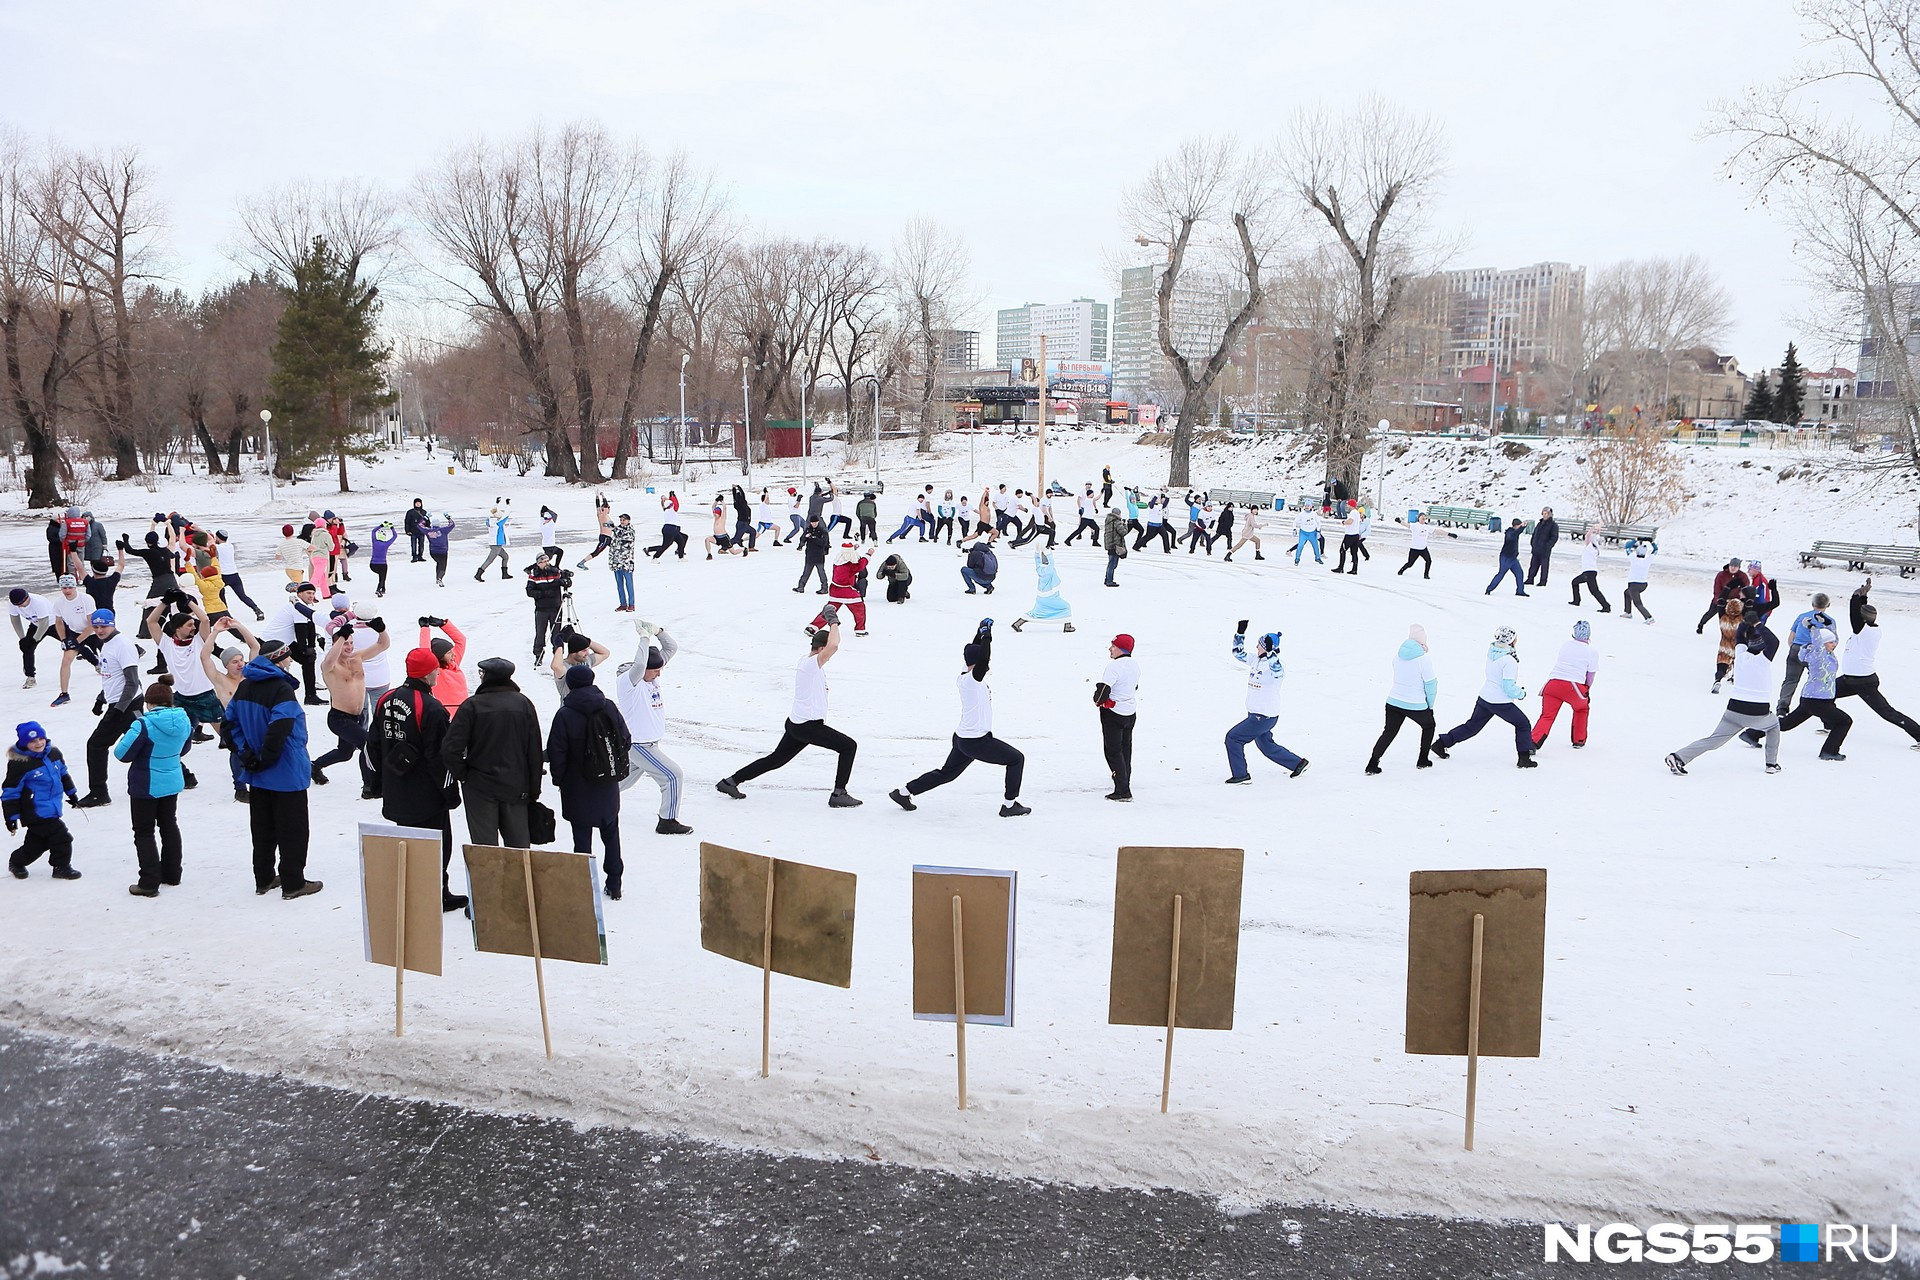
pixel 152 747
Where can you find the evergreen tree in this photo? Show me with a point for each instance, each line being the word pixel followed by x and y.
pixel 326 364
pixel 1226 419
pixel 1760 401
pixel 1789 398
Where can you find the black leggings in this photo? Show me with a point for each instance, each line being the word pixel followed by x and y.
pixel 1867 689
pixel 1633 601
pixel 1483 712
pixel 1419 553
pixel 988 750
pixel 379 576
pixel 798 737
pixel 1828 713
pixel 1163 531
pixel 670 536
pixel 944 522
pixel 1116 742
pixel 1396 716
pixel 1591 581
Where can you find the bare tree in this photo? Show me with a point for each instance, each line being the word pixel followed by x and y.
pixel 678 226
pixel 1361 177
pixel 1632 477
pixel 358 219
pixel 36 320
pixel 100 206
pixel 479 208
pixel 1210 207
pixel 929 283
pixel 1854 176
pixel 1641 315
pixel 859 334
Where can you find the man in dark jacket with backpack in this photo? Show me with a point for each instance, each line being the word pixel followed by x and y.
pixel 587 750
pixel 493 751
pixel 982 566
pixel 405 752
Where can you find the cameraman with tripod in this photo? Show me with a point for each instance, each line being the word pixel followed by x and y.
pixel 551 589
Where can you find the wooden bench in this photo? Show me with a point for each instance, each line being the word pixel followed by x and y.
pixel 1242 497
pixel 1859 555
pixel 1458 517
pixel 1620 533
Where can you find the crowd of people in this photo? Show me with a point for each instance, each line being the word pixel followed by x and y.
pixel 431 742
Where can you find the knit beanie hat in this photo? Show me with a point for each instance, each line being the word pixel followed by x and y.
pixel 1124 643
pixel 1417 634
pixel 26 732
pixel 973 654
pixel 1582 629
pixel 421 663
pixel 441 646
pixel 579 677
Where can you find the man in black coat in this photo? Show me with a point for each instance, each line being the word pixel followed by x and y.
pixel 1546 532
pixel 405 750
pixel 493 751
pixel 587 725
pixel 813 543
pixel 416 529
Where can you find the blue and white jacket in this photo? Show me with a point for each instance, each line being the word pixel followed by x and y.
pixel 152 747
pixel 1263 678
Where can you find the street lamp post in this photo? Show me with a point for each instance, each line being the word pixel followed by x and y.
pixel 266 444
pixel 682 442
pixel 876 429
pixel 746 420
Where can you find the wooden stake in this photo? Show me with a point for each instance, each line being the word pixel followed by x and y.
pixel 766 976
pixel 960 1001
pixel 1173 1008
pixel 400 943
pixel 533 925
pixel 1473 1023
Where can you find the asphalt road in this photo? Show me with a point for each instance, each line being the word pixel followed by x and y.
pixel 126 1164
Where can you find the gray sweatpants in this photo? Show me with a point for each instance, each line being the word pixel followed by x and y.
pixel 494 552
pixel 648 760
pixel 1795 669
pixel 1732 723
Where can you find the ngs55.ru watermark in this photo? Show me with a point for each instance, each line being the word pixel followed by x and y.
pixel 1720 1242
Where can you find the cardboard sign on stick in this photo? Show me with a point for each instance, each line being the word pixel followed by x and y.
pixel 1476 961
pixel 963 941
pixel 1176 941
pixel 400 904
pixel 779 916
pixel 539 903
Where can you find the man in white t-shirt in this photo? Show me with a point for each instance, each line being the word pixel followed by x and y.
pixel 807 723
pixel 183 639
pixel 120 694
pixel 72 624
pixel 637 689
pixel 973 739
pixel 1115 695
pixel 32 618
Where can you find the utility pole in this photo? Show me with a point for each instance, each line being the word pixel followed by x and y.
pixel 1042 461
pixel 746 419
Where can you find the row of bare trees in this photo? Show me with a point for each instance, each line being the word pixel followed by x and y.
pixel 565 269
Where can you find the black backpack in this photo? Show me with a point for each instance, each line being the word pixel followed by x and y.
pixel 606 758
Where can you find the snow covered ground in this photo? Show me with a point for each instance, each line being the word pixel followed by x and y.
pixel 1730 961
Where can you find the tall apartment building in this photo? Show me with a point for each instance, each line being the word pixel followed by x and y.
pixel 1202 305
pixel 1889 351
pixel 1075 330
pixel 1519 319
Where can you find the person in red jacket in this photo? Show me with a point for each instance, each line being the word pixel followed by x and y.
pixel 846 587
pixel 451 650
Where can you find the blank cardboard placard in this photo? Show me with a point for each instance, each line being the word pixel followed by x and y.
pixel 812 914
pixel 1146 881
pixel 565 890
pixel 987 901
pixel 379 861
pixel 1440 960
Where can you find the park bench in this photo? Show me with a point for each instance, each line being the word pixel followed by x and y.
pixel 1242 497
pixel 1859 555
pixel 1621 533
pixel 1458 517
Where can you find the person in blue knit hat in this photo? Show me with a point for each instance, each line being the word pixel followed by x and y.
pixel 37 782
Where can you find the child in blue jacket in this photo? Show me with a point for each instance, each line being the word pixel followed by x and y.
pixel 37 781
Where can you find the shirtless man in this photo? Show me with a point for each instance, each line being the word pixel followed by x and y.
pixel 603 512
pixel 345 672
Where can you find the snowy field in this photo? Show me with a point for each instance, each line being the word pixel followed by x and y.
pixel 1731 961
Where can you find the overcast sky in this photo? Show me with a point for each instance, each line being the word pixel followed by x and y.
pixel 1574 131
